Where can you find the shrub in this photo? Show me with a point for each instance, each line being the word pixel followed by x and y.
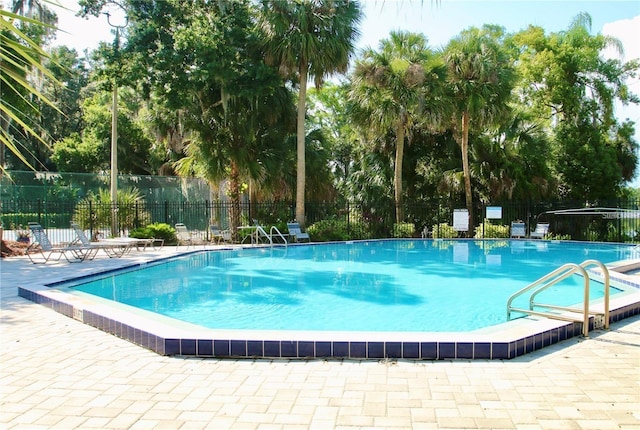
pixel 444 230
pixel 555 236
pixel 489 230
pixel 156 230
pixel 95 210
pixel 404 229
pixel 337 230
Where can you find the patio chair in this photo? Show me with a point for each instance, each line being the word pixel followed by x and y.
pixel 296 233
pixel 41 250
pixel 518 229
pixel 219 236
pixel 183 235
pixel 112 248
pixel 425 233
pixel 542 229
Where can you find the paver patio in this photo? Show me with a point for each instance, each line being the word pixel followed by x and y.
pixel 57 372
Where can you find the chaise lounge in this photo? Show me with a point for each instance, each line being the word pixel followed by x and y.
pixel 111 247
pixel 296 233
pixel 518 229
pixel 542 229
pixel 41 249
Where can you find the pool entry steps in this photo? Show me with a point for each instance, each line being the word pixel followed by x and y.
pixel 561 273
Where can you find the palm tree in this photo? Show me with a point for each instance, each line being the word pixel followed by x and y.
pixel 481 79
pixel 395 90
pixel 308 39
pixel 19 53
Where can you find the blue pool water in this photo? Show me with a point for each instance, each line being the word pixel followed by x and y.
pixel 390 285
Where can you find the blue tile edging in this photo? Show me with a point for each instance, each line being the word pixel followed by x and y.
pixel 305 349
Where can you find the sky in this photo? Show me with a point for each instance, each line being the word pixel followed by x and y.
pixel 440 21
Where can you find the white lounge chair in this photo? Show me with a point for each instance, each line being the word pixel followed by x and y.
pixel 41 250
pixel 183 235
pixel 518 229
pixel 111 247
pixel 296 233
pixel 219 236
pixel 542 229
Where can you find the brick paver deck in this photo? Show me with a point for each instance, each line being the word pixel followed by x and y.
pixel 59 373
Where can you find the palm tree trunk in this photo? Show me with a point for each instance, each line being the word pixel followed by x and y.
pixel 464 147
pixel 300 170
pixel 397 180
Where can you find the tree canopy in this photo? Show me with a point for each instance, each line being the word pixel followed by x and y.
pixel 218 90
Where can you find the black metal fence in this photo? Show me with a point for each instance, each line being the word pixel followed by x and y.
pixel 358 221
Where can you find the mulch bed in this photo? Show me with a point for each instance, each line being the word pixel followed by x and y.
pixel 11 248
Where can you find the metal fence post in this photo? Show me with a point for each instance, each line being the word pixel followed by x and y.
pixel 39 210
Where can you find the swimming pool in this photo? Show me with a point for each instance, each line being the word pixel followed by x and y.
pixel 416 284
pixel 392 285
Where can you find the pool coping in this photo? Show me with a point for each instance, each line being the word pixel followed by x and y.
pixel 167 336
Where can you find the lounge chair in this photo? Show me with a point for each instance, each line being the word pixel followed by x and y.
pixel 425 233
pixel 112 248
pixel 219 236
pixel 41 250
pixel 183 235
pixel 296 233
pixel 518 229
pixel 542 229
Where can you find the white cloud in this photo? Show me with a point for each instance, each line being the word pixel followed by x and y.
pixel 628 32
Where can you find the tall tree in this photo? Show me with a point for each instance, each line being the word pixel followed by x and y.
pixel 481 79
pixel 508 162
pixel 395 89
pixel 203 59
pixel 308 39
pixel 573 89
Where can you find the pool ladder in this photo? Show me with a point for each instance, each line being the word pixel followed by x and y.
pixel 269 236
pixel 561 273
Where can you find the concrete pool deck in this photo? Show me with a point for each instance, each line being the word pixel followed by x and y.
pixel 57 372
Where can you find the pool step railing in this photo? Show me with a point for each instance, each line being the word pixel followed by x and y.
pixel 568 313
pixel 274 232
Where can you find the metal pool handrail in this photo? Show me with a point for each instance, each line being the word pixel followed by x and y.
pixel 553 278
pixel 261 232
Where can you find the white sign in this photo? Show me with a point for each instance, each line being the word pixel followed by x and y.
pixel 461 219
pixel 494 212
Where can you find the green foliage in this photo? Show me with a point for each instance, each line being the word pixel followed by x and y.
pixel 444 231
pixel 404 229
pixel 564 76
pixel 23 218
pixel 73 154
pixel 156 230
pixel 555 236
pixel 95 210
pixel 21 38
pixel 90 149
pixel 308 40
pixel 394 91
pixel 489 230
pixel 337 230
pixel 584 155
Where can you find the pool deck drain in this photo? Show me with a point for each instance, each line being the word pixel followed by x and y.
pixel 60 373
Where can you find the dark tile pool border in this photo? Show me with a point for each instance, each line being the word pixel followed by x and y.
pixel 255 347
pixel 502 344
